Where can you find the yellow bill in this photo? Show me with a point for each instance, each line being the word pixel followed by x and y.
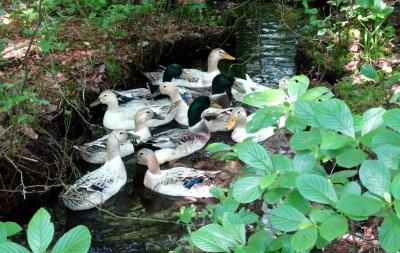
pixel 229 57
pixel 231 122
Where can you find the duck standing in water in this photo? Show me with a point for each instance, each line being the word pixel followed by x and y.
pixel 96 151
pixel 178 181
pixel 98 186
pixel 177 143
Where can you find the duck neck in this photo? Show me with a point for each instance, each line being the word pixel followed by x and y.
pixel 212 64
pixel 241 122
pixel 112 106
pixel 153 165
pixel 112 148
pixel 175 96
pixel 139 125
pixel 200 127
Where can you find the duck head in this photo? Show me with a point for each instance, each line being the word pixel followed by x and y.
pixel 215 56
pixel 106 97
pixel 199 105
pixel 172 71
pixel 143 115
pixel 171 90
pixel 223 84
pixel 147 157
pixel 238 118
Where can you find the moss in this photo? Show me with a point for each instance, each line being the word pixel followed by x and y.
pixel 360 97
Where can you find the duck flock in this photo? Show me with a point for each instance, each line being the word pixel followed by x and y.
pixel 199 101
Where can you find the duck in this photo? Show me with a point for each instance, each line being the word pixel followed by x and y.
pixel 176 143
pixel 248 86
pixel 96 151
pixel 194 78
pixel 238 120
pixel 178 181
pixel 122 116
pixel 96 187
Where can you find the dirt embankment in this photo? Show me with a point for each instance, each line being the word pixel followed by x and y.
pixel 36 156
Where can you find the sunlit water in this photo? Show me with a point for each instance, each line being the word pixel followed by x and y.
pixel 266 50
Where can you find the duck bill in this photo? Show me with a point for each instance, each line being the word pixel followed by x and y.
pixel 236 86
pixel 158 116
pixel 229 57
pixel 231 122
pixel 156 93
pixel 215 105
pixel 95 103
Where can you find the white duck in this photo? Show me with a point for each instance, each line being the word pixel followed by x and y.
pixel 238 121
pixel 96 151
pixel 98 186
pixel 194 78
pixel 178 181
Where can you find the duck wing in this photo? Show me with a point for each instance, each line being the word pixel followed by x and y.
pixel 172 138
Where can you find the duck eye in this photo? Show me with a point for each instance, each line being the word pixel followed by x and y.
pixel 148 112
pixel 165 86
pixel 239 112
pixel 141 153
pixel 120 132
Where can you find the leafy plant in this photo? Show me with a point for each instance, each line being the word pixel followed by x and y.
pixel 312 203
pixel 40 233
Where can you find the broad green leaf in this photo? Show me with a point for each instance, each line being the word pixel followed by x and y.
pixel 359 206
pixel 389 234
pixel 254 155
pixel 12 247
pixel 384 136
pixel 372 119
pixel 272 196
pixel 287 218
pixel 332 227
pixel 342 176
pixel 333 140
pixel 352 188
pixel 395 187
pixel 281 163
pixel 316 188
pixel 304 162
pixel 299 202
pixel 297 86
pixel 395 78
pixel 318 214
pixel 389 155
pixel 247 216
pixel 259 241
pixel 247 189
pixel 76 240
pixel 375 177
pixel 288 179
pixel 232 223
pixel 350 158
pixel 12 228
pixel 268 97
pixel 218 146
pixel 267 181
pixel 305 140
pixel 369 71
pixel 294 124
pixel 304 239
pixel 392 119
pixel 358 123
pixel 317 94
pixel 305 112
pixel 335 115
pixel 40 231
pixel 213 238
pixel 265 117
pixel 3 232
pixel 44 45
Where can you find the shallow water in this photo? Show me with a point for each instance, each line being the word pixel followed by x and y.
pixel 266 50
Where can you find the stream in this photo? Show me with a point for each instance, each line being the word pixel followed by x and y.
pixel 266 49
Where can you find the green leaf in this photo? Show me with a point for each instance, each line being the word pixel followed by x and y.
pixel 254 155
pixel 265 117
pixel 12 247
pixel 76 240
pixel 369 71
pixel 359 206
pixel 389 234
pixel 305 140
pixel 316 188
pixel 268 97
pixel 317 94
pixel 335 115
pixel 331 140
pixel 40 231
pixel 297 86
pixel 299 202
pixel 213 238
pixel 259 241
pixel 272 196
pixel 305 112
pixel 395 78
pixel 395 187
pixel 304 162
pixel 375 177
pixel 218 146
pixel 341 176
pixel 372 119
pixel 287 218
pixel 267 181
pixel 288 179
pixel 12 228
pixel 44 45
pixel 281 163
pixel 318 214
pixel 234 225
pixel 333 227
pixel 246 189
pixel 304 239
pixel 3 232
pixel 352 188
pixel 350 158
pixel 388 155
pixel 392 119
